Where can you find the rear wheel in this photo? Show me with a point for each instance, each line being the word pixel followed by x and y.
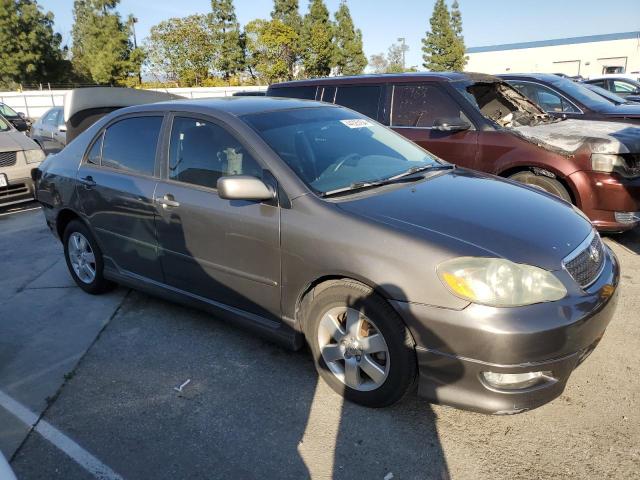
pixel 84 258
pixel 548 184
pixel 360 346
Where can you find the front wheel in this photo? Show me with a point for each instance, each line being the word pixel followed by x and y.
pixel 360 346
pixel 548 184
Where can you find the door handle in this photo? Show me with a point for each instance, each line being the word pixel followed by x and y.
pixel 167 201
pixel 88 181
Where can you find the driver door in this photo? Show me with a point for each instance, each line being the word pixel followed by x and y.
pixel 415 108
pixel 226 251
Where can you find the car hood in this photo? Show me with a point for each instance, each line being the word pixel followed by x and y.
pixel 497 216
pixel 627 111
pixel 568 136
pixel 13 140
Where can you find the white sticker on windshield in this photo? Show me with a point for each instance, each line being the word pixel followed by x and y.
pixel 356 123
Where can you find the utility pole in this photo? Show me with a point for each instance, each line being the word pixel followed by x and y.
pixel 134 20
pixel 404 47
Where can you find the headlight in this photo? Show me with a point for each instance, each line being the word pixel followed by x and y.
pixel 498 282
pixel 608 162
pixel 34 156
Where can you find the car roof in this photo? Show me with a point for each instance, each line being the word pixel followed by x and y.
pixel 391 77
pixel 543 77
pixel 236 106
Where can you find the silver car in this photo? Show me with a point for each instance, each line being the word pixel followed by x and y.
pixel 50 131
pixel 18 156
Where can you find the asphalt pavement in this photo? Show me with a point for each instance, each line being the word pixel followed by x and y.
pixel 129 386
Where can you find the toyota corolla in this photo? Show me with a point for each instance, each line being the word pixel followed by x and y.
pixel 311 223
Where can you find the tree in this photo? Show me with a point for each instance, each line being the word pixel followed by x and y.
pixel 317 40
pixel 395 58
pixel 102 51
pixel 442 49
pixel 182 49
pixel 379 63
pixel 30 50
pixel 225 26
pixel 349 57
pixel 287 12
pixel 456 19
pixel 269 44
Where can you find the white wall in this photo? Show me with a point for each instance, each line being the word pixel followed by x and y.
pixel 586 59
pixel 35 103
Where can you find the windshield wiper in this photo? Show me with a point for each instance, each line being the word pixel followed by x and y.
pixel 396 178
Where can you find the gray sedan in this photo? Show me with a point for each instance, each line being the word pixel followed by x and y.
pixel 50 130
pixel 311 223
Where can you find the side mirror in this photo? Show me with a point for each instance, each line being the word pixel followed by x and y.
pixel 22 115
pixel 451 124
pixel 244 187
pixel 62 128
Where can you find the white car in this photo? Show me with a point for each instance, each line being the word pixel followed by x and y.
pixel 18 156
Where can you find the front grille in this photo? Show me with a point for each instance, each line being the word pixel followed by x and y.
pixel 585 263
pixel 7 159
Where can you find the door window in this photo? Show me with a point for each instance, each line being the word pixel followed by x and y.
pixel 51 118
pixel 95 153
pixel 130 144
pixel 623 87
pixel 549 100
pixel 421 106
pixel 201 152
pixel 361 98
pixel 599 83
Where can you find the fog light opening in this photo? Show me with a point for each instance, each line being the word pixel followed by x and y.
pixel 516 381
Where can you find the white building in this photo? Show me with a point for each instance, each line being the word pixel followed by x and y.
pixel 586 56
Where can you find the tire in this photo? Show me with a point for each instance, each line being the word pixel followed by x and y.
pixel 84 258
pixel 374 371
pixel 548 184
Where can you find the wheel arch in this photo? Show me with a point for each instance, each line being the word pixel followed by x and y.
pixel 64 217
pixel 506 173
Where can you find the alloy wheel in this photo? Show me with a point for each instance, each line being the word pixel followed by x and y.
pixel 83 260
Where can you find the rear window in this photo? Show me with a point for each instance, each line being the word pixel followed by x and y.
pixel 361 98
pixel 305 93
pixel 130 145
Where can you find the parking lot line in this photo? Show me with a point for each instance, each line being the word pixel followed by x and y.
pixel 13 212
pixel 58 439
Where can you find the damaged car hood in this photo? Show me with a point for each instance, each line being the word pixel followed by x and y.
pixel 570 135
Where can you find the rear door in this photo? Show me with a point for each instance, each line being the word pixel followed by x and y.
pixel 221 250
pixel 415 108
pixel 116 184
pixel 366 99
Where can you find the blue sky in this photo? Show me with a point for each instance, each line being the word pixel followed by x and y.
pixel 486 22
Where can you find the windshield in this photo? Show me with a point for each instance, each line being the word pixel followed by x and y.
pixel 581 93
pixel 612 97
pixel 4 124
pixel 333 148
pixel 7 111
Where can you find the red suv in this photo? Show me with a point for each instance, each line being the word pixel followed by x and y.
pixel 480 122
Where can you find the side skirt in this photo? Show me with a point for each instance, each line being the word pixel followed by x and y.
pixel 278 332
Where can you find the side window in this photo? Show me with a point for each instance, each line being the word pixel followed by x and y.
pixel 305 93
pixel 60 118
pixel 549 100
pixel 421 106
pixel 623 87
pixel 363 99
pixel 599 83
pixel 326 94
pixel 51 118
pixel 130 144
pixel 95 153
pixel 200 152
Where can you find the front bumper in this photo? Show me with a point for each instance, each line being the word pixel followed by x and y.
pixel 454 347
pixel 603 194
pixel 19 190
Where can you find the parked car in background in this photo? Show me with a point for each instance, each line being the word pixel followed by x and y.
pixel 18 119
pixel 478 121
pixel 628 88
pixel 612 97
pixel 50 130
pixel 18 156
pixel 565 98
pixel 308 221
